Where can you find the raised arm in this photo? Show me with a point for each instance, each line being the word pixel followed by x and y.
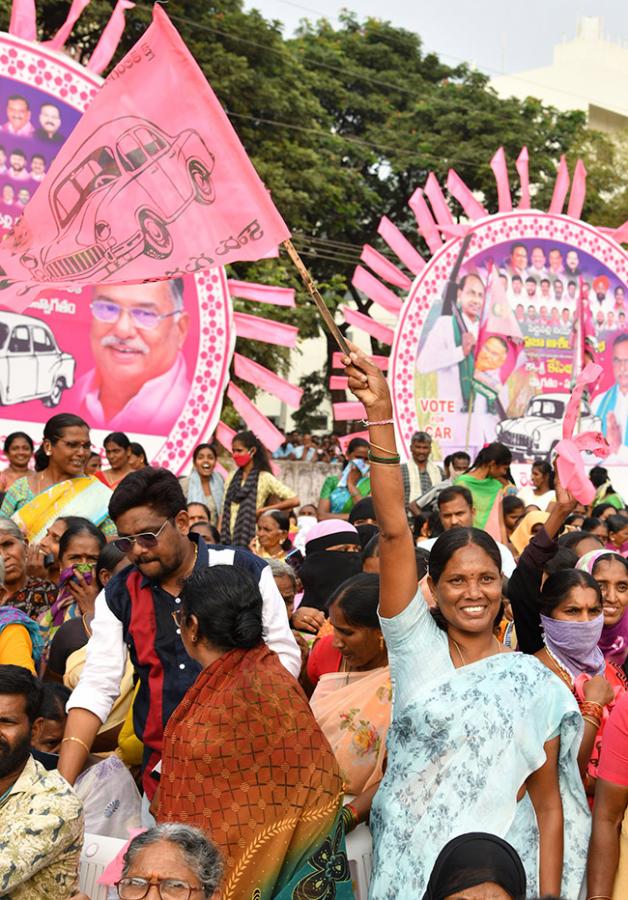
pixel 398 574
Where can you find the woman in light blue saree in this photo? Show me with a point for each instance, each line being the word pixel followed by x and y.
pixel 481 739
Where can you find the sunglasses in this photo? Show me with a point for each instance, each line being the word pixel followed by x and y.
pixel 145 539
pixel 146 319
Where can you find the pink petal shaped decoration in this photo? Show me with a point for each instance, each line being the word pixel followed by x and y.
pixel 365 323
pixel 384 268
pixel 435 195
pixel 225 435
pixel 348 411
pixel 561 186
pixel 270 436
pixel 500 171
pixel 261 293
pixel 589 375
pixel 378 292
pixel 572 474
pixel 578 191
pixel 458 189
pixel 268 381
pixel 380 361
pixel 400 245
pixel 257 329
pixel 524 178
pixel 425 221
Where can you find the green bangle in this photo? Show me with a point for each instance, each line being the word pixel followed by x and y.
pixel 385 460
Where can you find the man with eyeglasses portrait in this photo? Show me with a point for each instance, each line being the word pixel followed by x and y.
pixel 140 380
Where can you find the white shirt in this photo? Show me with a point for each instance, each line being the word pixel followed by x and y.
pixel 541 500
pixel 99 685
pixel 508 561
pixel 440 355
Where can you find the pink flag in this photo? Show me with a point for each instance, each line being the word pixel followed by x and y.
pixel 23 23
pixel 500 171
pixel 425 221
pixel 524 178
pixel 153 183
pixel 378 292
pixel 434 194
pixel 338 383
pixel 270 436
pixel 65 31
pixel 384 268
pixel 110 38
pixel 375 329
pixel 261 293
pixel 408 254
pixel 578 191
pixel 380 361
pixel 561 186
pixel 257 329
pixel 345 439
pixel 498 350
pixel 458 189
pixel 263 378
pixel 346 412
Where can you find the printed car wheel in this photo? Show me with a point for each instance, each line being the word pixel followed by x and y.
pixel 202 181
pixel 157 239
pixel 54 397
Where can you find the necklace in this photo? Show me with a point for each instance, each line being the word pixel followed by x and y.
pixel 462 659
pixel 562 672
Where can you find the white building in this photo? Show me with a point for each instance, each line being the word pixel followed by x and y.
pixel 589 73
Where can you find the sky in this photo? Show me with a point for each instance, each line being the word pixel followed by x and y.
pixel 497 36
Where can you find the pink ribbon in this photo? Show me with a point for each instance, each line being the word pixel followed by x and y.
pixel 425 221
pixel 261 293
pixel 225 435
pixel 381 362
pixel 365 323
pixel 400 245
pixel 384 268
pixel 378 292
pixel 351 410
pixel 435 195
pixel 65 31
pixel 561 186
pixel 578 191
pixel 268 381
pixel 256 328
pixel 458 189
pixel 270 436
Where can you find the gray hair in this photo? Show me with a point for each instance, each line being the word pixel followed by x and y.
pixel 197 850
pixel 422 436
pixel 282 569
pixel 175 288
pixel 8 526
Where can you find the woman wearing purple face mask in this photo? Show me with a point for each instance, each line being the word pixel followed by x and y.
pixel 250 491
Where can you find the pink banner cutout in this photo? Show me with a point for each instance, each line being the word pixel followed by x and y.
pixel 378 292
pixel 257 329
pixel 349 411
pixel 380 361
pixel 338 383
pixel 110 38
pixel 425 221
pixel 400 245
pixel 270 436
pixel 225 435
pixel 561 186
pixel 578 191
pixel 618 234
pixel 263 378
pixel 23 23
pixel 384 268
pixel 65 31
pixel 458 189
pixel 345 439
pixel 365 323
pixel 435 195
pixel 524 178
pixel 261 293
pixel 500 171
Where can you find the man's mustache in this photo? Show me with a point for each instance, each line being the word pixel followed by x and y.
pixel 111 340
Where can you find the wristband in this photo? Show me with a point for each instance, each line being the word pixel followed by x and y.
pixel 380 422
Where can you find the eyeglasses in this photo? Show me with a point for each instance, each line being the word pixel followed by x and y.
pixel 76 445
pixel 146 319
pixel 146 539
pixel 168 888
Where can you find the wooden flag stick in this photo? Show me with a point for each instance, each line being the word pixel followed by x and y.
pixel 326 316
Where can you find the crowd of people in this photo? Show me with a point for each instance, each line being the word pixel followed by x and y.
pixel 422 652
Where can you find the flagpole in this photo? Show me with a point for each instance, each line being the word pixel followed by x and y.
pixel 327 317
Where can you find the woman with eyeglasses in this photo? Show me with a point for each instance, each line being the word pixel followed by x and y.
pixel 60 484
pixel 243 757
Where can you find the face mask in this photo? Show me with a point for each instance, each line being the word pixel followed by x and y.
pixel 242 459
pixel 366 532
pixel 574 644
pixel 325 570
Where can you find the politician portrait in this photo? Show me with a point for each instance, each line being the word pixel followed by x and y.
pixel 139 381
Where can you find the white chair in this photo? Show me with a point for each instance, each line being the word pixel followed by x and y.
pixel 360 856
pixel 96 855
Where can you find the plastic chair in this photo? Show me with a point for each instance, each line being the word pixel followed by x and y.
pixel 96 855
pixel 360 855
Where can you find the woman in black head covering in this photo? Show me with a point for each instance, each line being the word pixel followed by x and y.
pixel 477 860
pixel 362 516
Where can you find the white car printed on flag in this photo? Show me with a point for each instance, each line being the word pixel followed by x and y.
pixel 536 433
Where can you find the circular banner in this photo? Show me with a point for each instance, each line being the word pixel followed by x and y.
pixel 491 356
pixel 151 360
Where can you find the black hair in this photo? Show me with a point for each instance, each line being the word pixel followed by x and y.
pixel 460 454
pixel 493 453
pixel 421 437
pixel 455 539
pixel 434 524
pixel 227 604
pixel 358 598
pixel 564 558
pixel 283 522
pixel 14 436
pixel 213 531
pixel 80 526
pixel 465 278
pixel 422 558
pixel 205 446
pixel 456 490
pixel 252 442
pixel 611 556
pixel 559 585
pixel 53 700
pixel 511 502
pixel 571 539
pixel 418 523
pixel 157 488
pixel 543 466
pixel 599 510
pixel 137 450
pixel 371 550
pixel 203 505
pixel 18 680
pixel 620 339
pixel 355 444
pixel 108 559
pixel 119 438
pixel 616 523
pixel 598 476
pixel 54 429
pixel 591 522
pixel 573 518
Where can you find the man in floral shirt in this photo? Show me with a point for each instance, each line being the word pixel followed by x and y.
pixel 41 818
